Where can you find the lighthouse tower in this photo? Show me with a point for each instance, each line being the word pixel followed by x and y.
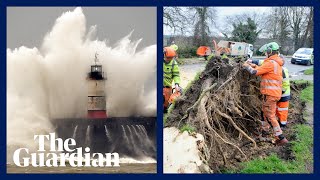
pixel 96 91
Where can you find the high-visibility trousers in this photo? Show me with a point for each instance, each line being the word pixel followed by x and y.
pixel 269 106
pixel 282 112
pixel 167 91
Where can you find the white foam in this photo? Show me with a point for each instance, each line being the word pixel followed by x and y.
pixel 50 82
pixel 146 160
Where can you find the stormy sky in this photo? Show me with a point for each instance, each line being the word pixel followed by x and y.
pixel 28 25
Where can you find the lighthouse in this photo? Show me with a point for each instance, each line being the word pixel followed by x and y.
pixel 103 133
pixel 96 91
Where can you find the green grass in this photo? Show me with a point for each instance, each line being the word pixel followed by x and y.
pixel 271 164
pixel 301 148
pixel 300 81
pixel 308 71
pixel 165 119
pixel 306 95
pixel 187 128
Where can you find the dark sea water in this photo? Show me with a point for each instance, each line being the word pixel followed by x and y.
pixel 124 168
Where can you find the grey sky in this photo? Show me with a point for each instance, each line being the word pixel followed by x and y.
pixel 226 11
pixel 28 25
pixel 222 12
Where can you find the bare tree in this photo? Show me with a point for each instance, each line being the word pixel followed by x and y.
pixel 311 20
pixel 297 20
pixel 177 19
pixel 190 20
pixel 204 19
pixel 307 38
pixel 278 26
pixel 283 25
pixel 291 25
pixel 272 23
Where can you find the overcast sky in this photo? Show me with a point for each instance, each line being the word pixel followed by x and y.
pixel 226 11
pixel 28 25
pixel 222 12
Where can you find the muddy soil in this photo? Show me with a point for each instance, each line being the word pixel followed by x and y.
pixel 224 105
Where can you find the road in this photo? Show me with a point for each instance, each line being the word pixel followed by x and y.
pixel 295 71
pixel 188 71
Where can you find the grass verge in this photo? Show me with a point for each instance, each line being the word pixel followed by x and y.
pixel 301 147
pixel 273 164
pixel 307 94
pixel 308 71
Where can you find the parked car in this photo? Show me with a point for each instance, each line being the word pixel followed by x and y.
pixel 303 56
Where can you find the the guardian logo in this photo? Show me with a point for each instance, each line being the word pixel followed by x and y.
pixel 61 153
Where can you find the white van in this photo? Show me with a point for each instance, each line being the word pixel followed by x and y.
pixel 235 48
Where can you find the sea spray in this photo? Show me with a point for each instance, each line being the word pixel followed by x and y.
pixel 27 107
pixel 50 82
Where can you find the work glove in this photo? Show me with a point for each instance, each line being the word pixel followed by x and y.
pixel 249 60
pixel 248 67
pixel 245 65
pixel 177 87
pixel 253 65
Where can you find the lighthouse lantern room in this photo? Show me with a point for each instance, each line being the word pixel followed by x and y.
pixel 96 91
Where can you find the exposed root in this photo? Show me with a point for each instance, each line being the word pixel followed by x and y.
pixel 225 141
pixel 196 103
pixel 224 106
pixel 235 126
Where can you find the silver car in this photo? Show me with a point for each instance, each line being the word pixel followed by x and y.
pixel 303 56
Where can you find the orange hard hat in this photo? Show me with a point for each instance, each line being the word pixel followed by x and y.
pixel 169 52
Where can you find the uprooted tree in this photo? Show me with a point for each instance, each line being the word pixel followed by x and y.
pixel 224 105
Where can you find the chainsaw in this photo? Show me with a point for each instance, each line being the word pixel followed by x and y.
pixel 175 94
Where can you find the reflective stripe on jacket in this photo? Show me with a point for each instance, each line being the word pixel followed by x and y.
pixel 285 85
pixel 271 76
pixel 170 73
pixel 285 78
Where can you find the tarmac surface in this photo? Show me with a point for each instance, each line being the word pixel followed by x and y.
pixel 188 71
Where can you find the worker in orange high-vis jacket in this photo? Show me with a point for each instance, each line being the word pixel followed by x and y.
pixel 283 104
pixel 271 89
